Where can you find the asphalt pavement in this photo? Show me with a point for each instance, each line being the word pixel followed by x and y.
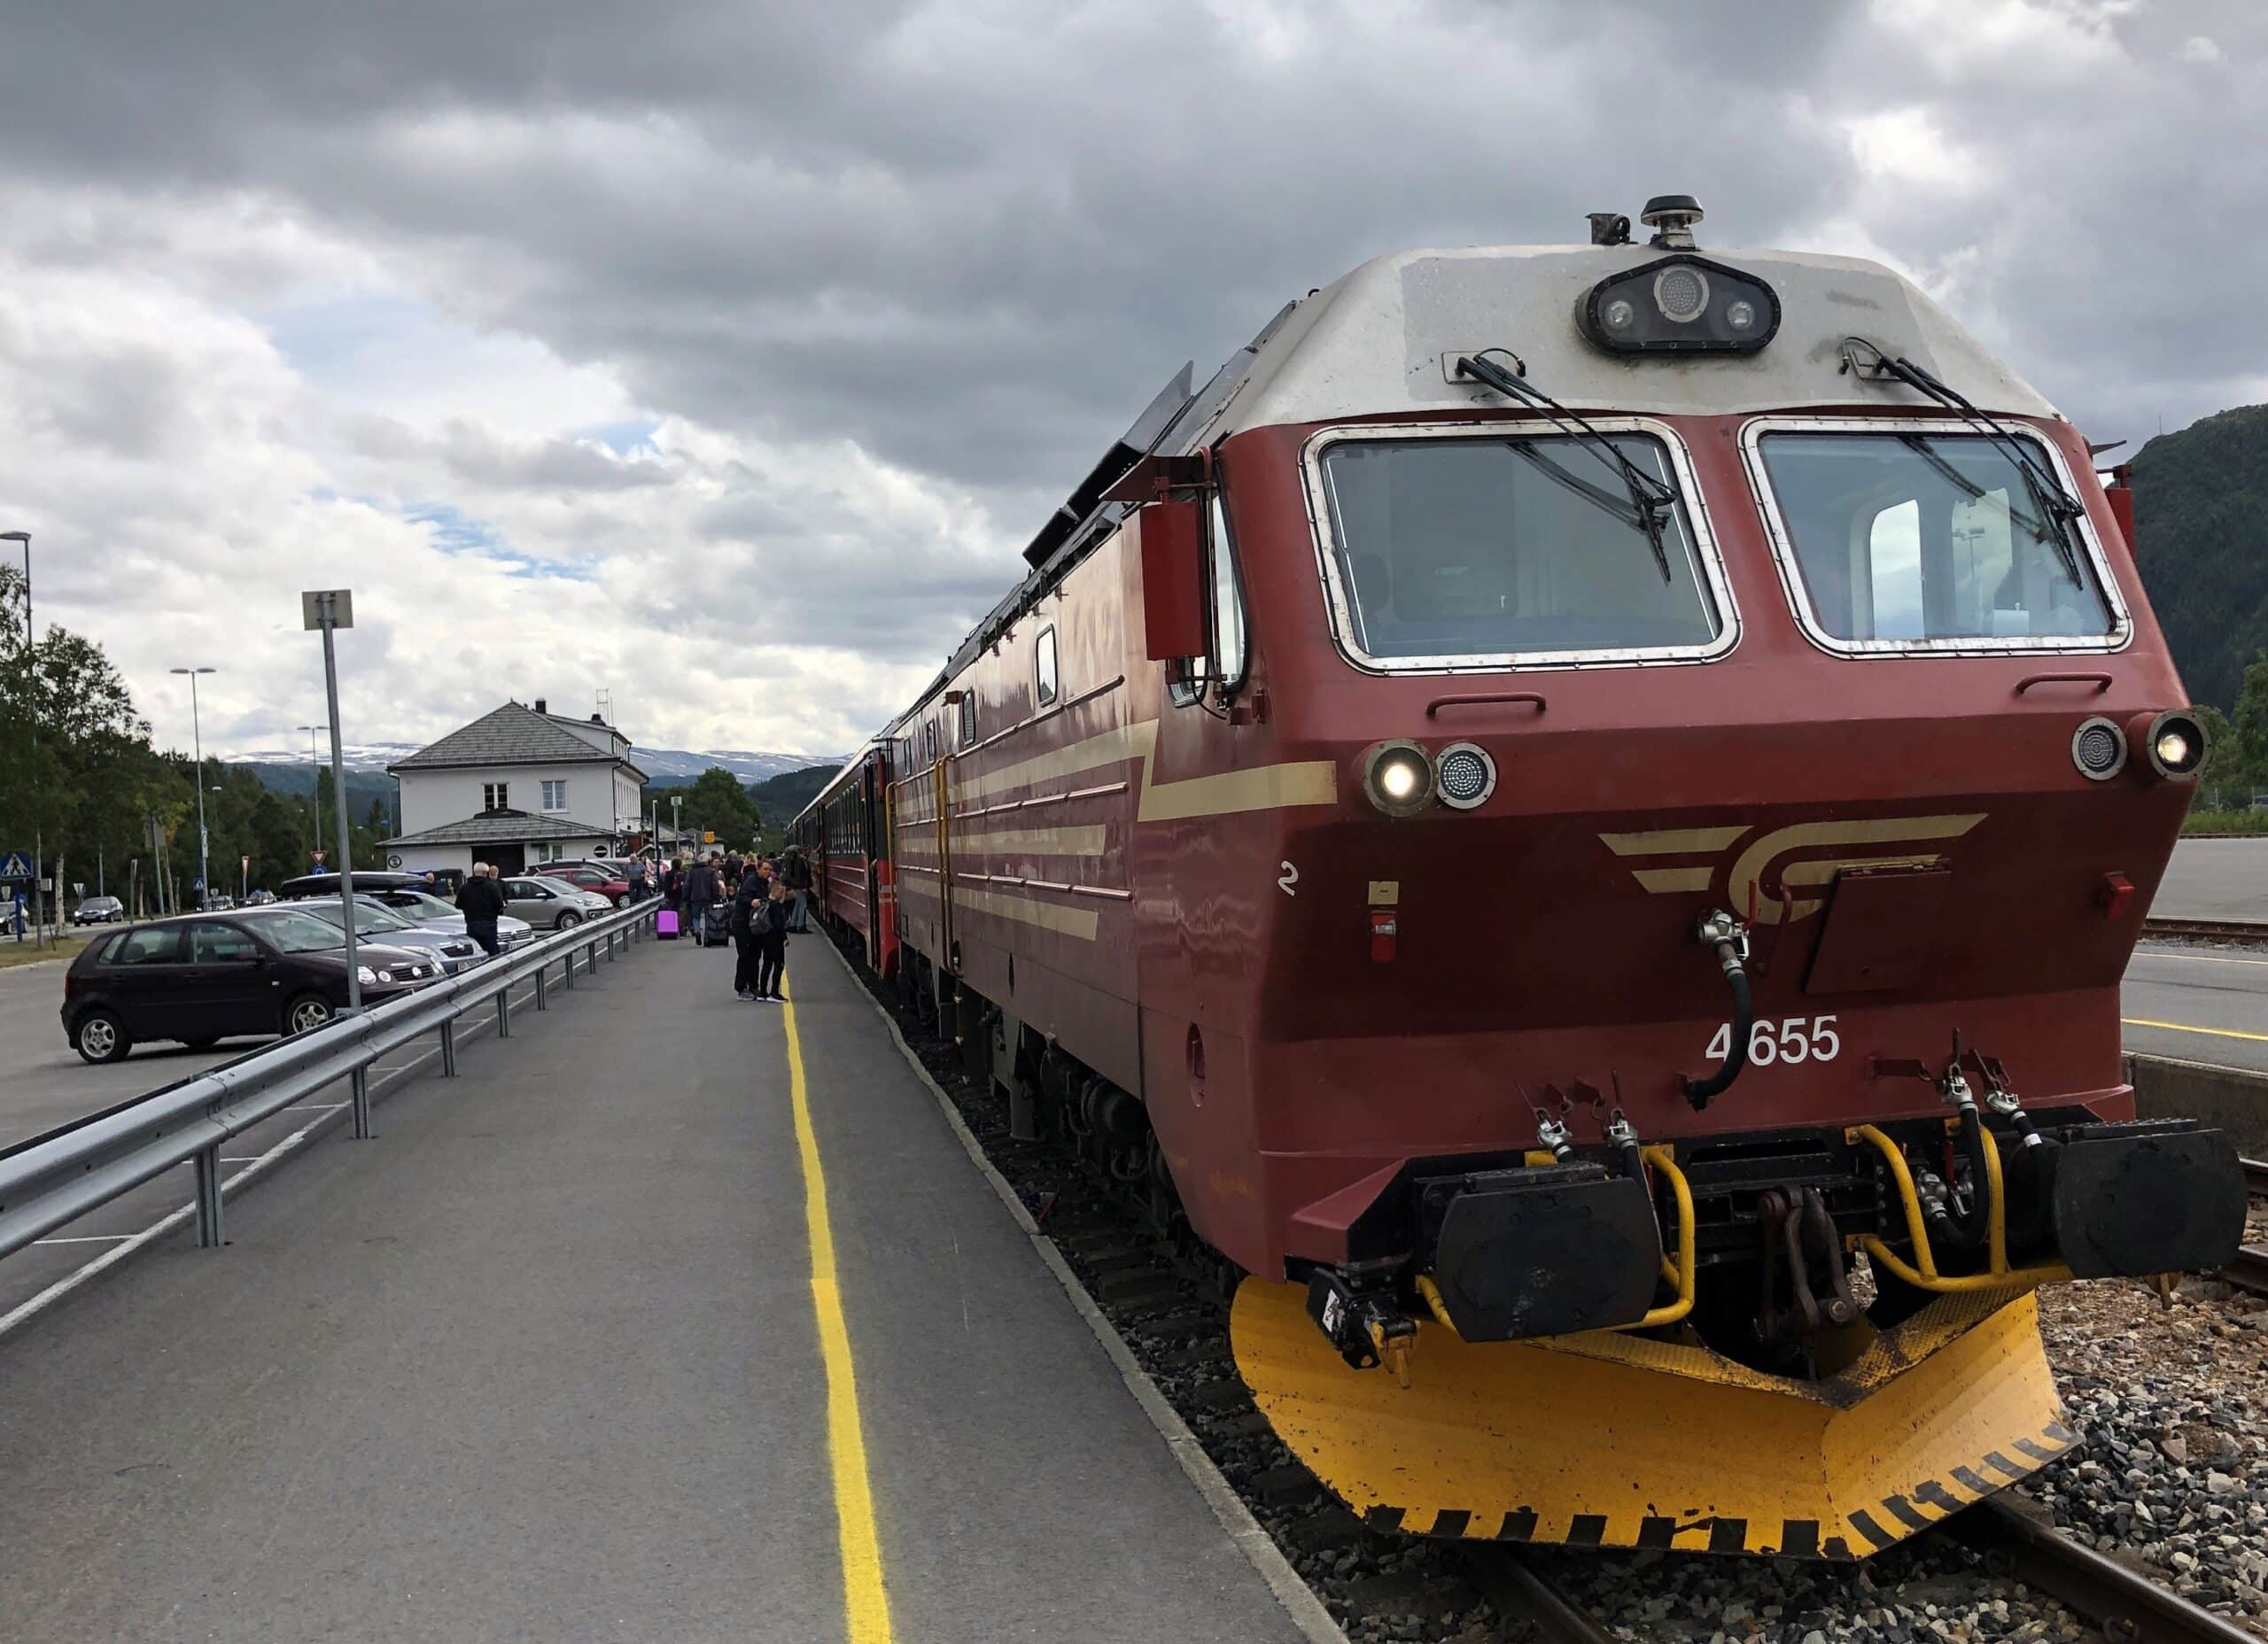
pixel 2215 879
pixel 549 1359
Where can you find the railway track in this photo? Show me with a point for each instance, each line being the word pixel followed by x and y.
pixel 2208 930
pixel 1179 1333
pixel 2128 1606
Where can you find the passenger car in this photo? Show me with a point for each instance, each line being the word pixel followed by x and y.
pixel 98 911
pixel 432 913
pixel 200 978
pixel 604 878
pixel 374 921
pixel 550 903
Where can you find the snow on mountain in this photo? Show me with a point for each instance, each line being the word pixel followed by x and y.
pixel 672 765
pixel 660 764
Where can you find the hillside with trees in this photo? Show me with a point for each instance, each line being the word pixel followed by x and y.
pixel 80 777
pixel 2201 522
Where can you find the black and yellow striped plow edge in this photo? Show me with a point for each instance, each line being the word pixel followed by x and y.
pixel 1606 1441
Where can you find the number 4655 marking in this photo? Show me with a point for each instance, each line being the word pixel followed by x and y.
pixel 1792 1039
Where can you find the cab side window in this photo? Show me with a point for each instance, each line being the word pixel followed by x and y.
pixel 1044 660
pixel 1224 663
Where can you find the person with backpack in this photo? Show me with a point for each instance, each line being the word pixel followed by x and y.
pixel 771 954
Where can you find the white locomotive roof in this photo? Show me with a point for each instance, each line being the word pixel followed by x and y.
pixel 1373 343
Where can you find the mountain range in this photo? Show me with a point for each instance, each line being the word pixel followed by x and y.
pixel 665 766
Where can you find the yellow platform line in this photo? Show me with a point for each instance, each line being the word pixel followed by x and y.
pixel 2218 1033
pixel 866 1598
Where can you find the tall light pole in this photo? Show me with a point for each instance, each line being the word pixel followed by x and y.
pixel 24 537
pixel 314 787
pixel 39 853
pixel 197 731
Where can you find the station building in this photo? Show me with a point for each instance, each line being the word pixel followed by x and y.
pixel 519 786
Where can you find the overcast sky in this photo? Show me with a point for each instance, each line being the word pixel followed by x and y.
pixel 723 356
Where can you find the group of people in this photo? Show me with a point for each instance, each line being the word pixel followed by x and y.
pixel 761 901
pixel 481 899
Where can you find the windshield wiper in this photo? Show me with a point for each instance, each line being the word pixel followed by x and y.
pixel 1651 500
pixel 2055 503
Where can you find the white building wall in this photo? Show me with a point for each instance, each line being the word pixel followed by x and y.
pixel 431 799
pixel 428 859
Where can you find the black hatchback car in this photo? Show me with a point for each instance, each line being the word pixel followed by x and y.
pixel 203 977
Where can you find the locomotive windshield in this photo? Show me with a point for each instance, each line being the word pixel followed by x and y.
pixel 1902 539
pixel 1468 550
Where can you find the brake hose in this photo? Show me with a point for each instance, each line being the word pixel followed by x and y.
pixel 1721 932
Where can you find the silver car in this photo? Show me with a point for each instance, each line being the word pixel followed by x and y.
pixel 551 903
pixel 434 914
pixel 374 921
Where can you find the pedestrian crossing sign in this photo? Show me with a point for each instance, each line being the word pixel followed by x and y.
pixel 12 865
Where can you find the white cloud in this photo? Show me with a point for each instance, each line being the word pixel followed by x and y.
pixel 2199 49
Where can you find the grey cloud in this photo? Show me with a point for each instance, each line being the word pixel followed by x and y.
pixel 974 240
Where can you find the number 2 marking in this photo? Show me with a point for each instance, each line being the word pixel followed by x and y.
pixel 1291 877
pixel 1791 1041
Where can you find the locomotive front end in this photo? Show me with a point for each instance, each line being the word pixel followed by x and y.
pixel 1697 1034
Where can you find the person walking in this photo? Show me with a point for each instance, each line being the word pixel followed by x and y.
pixel 700 894
pixel 481 899
pixel 748 941
pixel 772 956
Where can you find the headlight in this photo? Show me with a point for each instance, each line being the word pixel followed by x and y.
pixel 385 975
pixel 2176 746
pixel 1464 774
pixel 1398 776
pixel 364 974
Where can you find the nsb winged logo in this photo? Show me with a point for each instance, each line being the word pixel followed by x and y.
pixel 1671 860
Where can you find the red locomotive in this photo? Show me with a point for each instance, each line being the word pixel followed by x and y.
pixel 1579 812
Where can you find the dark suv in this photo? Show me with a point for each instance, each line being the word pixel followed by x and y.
pixel 203 977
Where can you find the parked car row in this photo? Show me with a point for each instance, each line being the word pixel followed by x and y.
pixel 200 978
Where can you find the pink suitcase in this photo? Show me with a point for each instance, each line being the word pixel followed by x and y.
pixel 666 924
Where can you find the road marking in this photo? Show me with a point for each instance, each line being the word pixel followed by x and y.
pixel 128 1243
pixel 2218 1033
pixel 866 1600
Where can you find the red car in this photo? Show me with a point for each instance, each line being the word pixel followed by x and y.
pixel 602 877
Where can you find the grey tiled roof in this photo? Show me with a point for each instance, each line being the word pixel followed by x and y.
pixel 500 827
pixel 511 735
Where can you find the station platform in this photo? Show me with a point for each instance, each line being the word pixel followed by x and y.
pixel 549 1359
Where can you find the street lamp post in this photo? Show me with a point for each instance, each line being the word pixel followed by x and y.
pixel 315 768
pixel 39 854
pixel 197 731
pixel 24 537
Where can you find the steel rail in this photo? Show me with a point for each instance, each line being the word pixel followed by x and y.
pixel 2249 1270
pixel 2215 930
pixel 52 1179
pixel 1508 1578
pixel 2126 1605
pixel 2256 1175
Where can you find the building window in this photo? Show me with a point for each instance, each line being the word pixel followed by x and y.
pixel 1047 661
pixel 555 796
pixel 495 795
pixel 551 853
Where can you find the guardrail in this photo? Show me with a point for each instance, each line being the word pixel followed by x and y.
pixel 54 1179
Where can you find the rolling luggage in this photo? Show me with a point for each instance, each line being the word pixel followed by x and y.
pixel 666 924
